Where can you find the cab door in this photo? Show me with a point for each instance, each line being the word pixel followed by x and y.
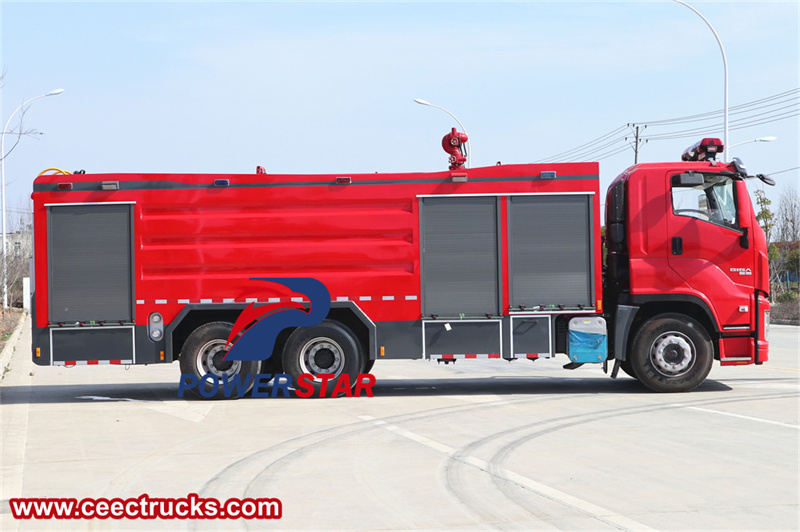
pixel 709 245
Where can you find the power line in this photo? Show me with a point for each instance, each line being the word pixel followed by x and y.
pixel 735 125
pixel 585 153
pixel 784 171
pixel 606 145
pixel 612 153
pixel 774 112
pixel 721 111
pixel 793 103
pixel 583 146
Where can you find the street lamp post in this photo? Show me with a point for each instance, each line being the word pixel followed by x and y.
pixel 3 185
pixel 469 148
pixel 725 66
pixel 760 139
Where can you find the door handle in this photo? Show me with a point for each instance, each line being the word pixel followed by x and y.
pixel 744 240
pixel 677 245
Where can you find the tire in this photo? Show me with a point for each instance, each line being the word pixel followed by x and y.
pixel 329 347
pixel 368 364
pixel 202 354
pixel 672 353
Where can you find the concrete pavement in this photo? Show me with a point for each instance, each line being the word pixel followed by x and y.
pixel 475 445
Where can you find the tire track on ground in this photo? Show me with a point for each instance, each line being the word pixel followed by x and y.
pixel 261 468
pixel 510 489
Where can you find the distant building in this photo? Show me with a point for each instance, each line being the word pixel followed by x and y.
pixel 19 243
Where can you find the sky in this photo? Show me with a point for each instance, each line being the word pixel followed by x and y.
pixel 200 87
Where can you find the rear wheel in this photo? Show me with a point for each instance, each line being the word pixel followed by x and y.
pixel 328 348
pixel 672 353
pixel 203 355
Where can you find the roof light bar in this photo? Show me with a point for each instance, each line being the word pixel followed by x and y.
pixel 705 150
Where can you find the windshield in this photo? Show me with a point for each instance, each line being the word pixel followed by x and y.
pixel 714 201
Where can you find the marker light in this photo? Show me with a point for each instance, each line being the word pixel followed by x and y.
pixel 155 326
pixel 705 150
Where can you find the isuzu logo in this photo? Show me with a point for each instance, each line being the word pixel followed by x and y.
pixel 742 271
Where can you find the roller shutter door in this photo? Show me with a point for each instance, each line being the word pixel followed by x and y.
pixel 90 260
pixel 459 256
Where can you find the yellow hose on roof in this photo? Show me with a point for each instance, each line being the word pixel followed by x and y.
pixel 56 171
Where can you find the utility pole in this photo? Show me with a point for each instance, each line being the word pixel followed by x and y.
pixel 637 141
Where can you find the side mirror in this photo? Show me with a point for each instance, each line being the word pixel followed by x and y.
pixel 741 169
pixel 766 179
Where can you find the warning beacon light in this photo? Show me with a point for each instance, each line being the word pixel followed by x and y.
pixel 705 150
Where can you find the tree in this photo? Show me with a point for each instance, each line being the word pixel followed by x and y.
pixel 787 225
pixel 19 244
pixel 784 260
pixel 765 217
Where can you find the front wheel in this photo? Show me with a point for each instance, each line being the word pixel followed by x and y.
pixel 672 353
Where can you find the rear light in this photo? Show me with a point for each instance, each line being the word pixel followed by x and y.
pixel 65 186
pixel 705 150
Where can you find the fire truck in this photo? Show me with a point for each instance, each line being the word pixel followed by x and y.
pixel 499 262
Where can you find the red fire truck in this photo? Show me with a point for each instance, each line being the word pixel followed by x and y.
pixel 494 262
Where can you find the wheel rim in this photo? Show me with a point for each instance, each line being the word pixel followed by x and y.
pixel 210 359
pixel 322 355
pixel 673 354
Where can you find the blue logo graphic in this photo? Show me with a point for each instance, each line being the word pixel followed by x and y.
pixel 268 321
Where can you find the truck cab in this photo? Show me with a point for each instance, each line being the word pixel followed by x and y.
pixel 687 269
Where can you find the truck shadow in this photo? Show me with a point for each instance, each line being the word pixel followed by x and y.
pixel 521 386
pixel 501 386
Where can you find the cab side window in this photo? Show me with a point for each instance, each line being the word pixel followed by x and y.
pixel 713 201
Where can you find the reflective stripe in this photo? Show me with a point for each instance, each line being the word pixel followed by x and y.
pixel 206 301
pixel 465 355
pixel 90 362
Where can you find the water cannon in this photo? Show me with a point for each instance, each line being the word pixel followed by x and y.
pixel 454 143
pixel 705 150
